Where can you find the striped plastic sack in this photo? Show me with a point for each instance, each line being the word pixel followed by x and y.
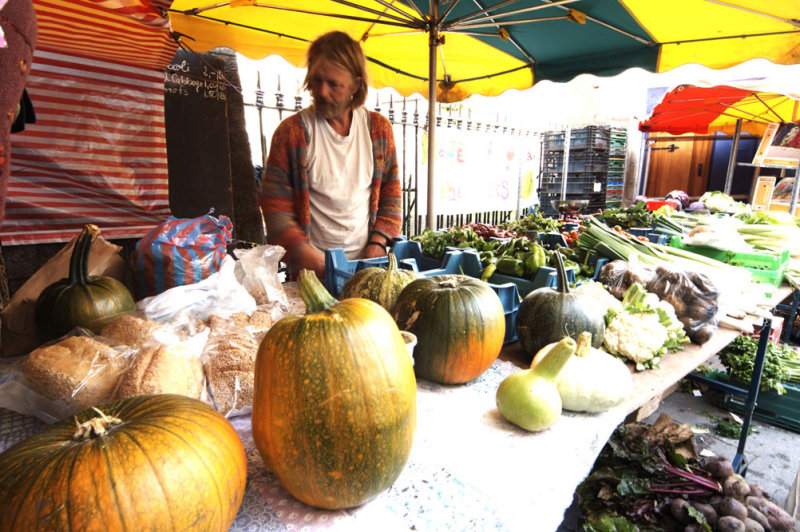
pixel 179 252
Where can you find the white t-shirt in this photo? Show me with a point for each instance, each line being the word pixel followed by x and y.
pixel 340 178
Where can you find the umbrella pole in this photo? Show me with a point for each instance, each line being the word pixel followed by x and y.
pixel 732 158
pixel 433 44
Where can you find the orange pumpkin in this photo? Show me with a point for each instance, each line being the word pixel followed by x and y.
pixel 164 462
pixel 334 403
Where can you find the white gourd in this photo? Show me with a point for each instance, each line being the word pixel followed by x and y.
pixel 592 380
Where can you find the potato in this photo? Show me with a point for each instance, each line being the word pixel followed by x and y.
pixel 707 510
pixel 757 516
pixel 779 519
pixel 729 523
pixel 736 486
pixel 751 525
pixel 756 490
pixel 731 507
pixel 720 468
pixel 677 508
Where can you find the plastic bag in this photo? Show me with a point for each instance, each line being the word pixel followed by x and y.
pixel 219 294
pixel 62 377
pixel 693 295
pixel 257 270
pixel 229 360
pixel 180 251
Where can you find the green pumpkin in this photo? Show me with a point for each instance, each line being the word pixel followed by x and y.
pixel 81 300
pixel 459 323
pixel 548 314
pixel 381 285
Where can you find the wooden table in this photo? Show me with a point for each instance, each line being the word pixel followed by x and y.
pixel 469 468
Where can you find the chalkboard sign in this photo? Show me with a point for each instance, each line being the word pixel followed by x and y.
pixel 196 121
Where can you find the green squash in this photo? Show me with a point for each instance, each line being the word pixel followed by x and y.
pixel 548 314
pixel 459 323
pixel 81 300
pixel 381 285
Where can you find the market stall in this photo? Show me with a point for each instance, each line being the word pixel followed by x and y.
pixel 468 467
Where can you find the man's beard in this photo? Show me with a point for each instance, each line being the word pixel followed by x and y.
pixel 326 109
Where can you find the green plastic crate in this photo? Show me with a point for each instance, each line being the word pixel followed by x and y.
pixel 764 267
pixel 780 410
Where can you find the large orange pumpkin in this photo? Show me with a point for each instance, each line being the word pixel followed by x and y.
pixel 164 462
pixel 334 404
pixel 460 326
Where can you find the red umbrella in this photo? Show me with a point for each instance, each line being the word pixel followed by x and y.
pixel 703 110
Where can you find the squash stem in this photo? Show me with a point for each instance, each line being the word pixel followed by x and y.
pixel 550 365
pixel 561 272
pixel 392 267
pixel 313 292
pixel 95 427
pixel 79 260
pixel 584 344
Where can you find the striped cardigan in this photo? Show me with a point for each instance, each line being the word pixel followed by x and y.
pixel 284 189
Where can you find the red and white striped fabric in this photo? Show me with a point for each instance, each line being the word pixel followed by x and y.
pixel 96 153
pixel 145 11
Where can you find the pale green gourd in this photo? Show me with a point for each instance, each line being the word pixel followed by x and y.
pixel 529 398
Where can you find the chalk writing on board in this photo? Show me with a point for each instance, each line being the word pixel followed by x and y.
pixel 181 80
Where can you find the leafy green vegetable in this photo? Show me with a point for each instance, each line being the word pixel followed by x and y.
pixel 781 363
pixel 626 217
pixel 728 428
pixel 633 481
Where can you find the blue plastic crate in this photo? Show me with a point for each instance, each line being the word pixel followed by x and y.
pixel 464 261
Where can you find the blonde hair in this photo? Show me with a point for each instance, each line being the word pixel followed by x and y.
pixel 339 48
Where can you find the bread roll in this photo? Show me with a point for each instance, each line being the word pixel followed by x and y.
pixel 128 330
pixel 159 368
pixel 78 370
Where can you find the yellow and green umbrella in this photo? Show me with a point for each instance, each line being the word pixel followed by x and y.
pixel 489 46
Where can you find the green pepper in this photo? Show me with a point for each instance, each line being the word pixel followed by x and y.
pixel 488 271
pixel 510 266
pixel 530 264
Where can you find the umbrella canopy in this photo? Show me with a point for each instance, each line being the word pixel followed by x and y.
pixel 488 46
pixel 503 44
pixel 703 110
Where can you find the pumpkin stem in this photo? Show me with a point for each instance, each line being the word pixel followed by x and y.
pixel 313 292
pixel 561 272
pixel 95 427
pixel 550 365
pixel 392 263
pixel 584 344
pixel 79 260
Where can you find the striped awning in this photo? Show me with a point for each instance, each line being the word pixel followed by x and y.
pixel 97 152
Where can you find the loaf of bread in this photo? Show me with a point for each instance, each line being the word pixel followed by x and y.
pixel 77 370
pixel 229 359
pixel 128 330
pixel 158 368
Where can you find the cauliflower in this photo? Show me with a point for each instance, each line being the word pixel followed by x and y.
pixel 600 293
pixel 638 336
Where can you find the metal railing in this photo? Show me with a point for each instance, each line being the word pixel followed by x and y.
pixel 408 126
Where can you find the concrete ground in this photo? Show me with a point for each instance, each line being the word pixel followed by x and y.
pixel 772 454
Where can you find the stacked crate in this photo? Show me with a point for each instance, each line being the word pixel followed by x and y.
pixel 587 167
pixel 617 147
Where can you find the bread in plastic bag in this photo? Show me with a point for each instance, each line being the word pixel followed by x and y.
pixel 62 377
pixel 229 360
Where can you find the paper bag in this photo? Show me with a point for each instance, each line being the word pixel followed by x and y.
pixel 18 331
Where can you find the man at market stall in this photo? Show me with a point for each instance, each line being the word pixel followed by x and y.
pixel 331 178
